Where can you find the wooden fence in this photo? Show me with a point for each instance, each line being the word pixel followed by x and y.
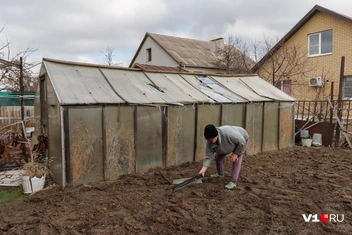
pixel 12 114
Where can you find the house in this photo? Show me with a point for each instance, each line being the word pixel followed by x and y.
pixel 307 60
pixel 104 121
pixel 192 55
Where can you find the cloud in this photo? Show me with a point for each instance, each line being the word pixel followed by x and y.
pixel 80 30
pixel 85 59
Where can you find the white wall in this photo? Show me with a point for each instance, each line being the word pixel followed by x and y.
pixel 159 56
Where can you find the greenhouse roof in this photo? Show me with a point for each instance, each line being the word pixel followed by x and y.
pixel 79 83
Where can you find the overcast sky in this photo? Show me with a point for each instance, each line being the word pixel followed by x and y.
pixel 80 30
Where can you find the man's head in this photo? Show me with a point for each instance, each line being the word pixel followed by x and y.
pixel 210 133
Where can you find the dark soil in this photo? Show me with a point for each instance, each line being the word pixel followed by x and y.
pixel 275 189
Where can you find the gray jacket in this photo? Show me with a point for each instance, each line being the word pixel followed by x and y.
pixel 230 139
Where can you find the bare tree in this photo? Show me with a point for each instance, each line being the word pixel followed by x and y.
pixel 286 65
pixel 234 57
pixel 10 69
pixel 282 62
pixel 109 56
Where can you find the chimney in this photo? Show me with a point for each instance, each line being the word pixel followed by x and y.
pixel 217 44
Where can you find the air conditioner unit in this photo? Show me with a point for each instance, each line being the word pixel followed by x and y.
pixel 315 81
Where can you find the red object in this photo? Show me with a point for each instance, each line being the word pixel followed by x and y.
pixel 324 218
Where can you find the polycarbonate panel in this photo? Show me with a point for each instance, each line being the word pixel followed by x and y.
pixel 85 145
pixel 119 136
pixel 271 126
pixel 265 89
pixel 211 89
pixel 78 84
pixel 41 125
pixel 192 80
pixel 238 87
pixel 37 123
pixel 54 134
pixel 220 89
pixel 215 96
pixel 179 92
pixel 192 93
pixel 233 114
pixel 254 124
pixel 132 86
pixel 207 114
pixel 149 138
pixel 181 131
pixel 287 125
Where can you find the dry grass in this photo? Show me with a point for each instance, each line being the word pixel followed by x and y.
pixel 174 150
pixel 81 150
pixel 32 169
pixel 120 155
pixel 11 129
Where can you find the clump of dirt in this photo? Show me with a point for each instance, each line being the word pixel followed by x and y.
pixel 275 189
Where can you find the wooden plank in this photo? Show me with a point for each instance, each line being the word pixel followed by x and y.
pixel 339 122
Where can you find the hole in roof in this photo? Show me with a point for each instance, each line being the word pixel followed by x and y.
pixel 205 79
pixel 155 87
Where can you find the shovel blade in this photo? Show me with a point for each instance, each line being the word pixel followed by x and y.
pixel 187 182
pixel 178 181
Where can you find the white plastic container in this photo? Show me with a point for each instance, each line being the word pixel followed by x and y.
pixel 307 142
pixel 317 139
pixel 32 185
pixel 304 134
pixel 37 183
pixel 26 184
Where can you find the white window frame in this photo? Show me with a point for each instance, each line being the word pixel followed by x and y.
pixel 319 44
pixel 345 87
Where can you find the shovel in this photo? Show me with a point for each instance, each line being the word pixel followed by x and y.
pixel 187 182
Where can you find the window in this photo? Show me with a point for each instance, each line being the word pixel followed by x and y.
pixel 347 88
pixel 149 54
pixel 320 43
pixel 285 86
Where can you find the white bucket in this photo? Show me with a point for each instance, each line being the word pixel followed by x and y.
pixel 38 183
pixel 26 184
pixel 317 139
pixel 32 185
pixel 307 142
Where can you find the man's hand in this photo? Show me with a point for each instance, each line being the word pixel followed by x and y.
pixel 234 157
pixel 203 170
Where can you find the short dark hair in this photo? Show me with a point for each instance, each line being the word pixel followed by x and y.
pixel 210 131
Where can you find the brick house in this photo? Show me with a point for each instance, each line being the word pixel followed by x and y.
pixel 318 41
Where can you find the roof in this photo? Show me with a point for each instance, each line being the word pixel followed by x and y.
pixel 83 84
pixel 190 52
pixel 299 25
pixel 147 67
